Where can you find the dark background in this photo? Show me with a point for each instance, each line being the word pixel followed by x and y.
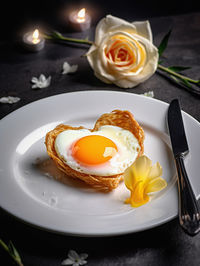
pixel 165 245
pixel 15 16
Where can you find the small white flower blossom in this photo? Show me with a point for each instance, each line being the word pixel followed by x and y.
pixel 149 94
pixel 75 259
pixel 9 99
pixel 41 82
pixel 69 69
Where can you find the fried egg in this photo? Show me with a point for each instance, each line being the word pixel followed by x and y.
pixel 106 152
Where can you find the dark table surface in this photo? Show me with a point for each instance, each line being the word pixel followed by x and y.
pixel 164 245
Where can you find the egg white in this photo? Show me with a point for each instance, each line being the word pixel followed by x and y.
pixel 126 142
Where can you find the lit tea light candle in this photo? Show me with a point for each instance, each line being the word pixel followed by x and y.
pixel 35 37
pixel 80 20
pixel 81 16
pixel 33 41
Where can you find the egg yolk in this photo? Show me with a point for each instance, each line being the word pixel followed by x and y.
pixel 93 150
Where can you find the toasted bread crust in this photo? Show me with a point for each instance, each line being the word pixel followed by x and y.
pixel 123 119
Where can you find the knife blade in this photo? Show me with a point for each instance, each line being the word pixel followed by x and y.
pixel 176 129
pixel 189 212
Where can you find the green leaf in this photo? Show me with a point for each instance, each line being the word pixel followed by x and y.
pixel 183 81
pixel 178 68
pixel 14 253
pixel 163 44
pixel 12 249
pixel 4 246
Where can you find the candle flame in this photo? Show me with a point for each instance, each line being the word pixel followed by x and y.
pixel 35 36
pixel 81 15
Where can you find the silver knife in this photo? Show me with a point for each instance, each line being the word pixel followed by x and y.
pixel 189 212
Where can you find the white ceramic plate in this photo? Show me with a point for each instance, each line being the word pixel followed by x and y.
pixel 28 191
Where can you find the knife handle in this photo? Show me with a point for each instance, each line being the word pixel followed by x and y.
pixel 189 214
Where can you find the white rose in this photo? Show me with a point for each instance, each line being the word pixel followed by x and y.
pixel 123 52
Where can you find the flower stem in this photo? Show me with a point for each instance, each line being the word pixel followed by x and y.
pixel 68 39
pixel 179 78
pixel 175 74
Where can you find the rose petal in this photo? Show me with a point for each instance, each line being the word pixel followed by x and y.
pixel 127 79
pixel 128 28
pixel 99 76
pixel 105 25
pixel 99 66
pixel 91 54
pixel 144 29
pixel 149 68
pixel 125 83
pixel 128 43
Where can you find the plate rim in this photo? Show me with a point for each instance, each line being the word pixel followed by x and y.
pixel 91 92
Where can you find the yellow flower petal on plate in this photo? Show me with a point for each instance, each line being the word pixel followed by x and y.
pixel 155 185
pixel 156 171
pixel 128 178
pixel 142 178
pixel 139 198
pixel 127 201
pixel 141 167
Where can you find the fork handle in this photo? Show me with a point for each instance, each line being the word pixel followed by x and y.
pixel 189 214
